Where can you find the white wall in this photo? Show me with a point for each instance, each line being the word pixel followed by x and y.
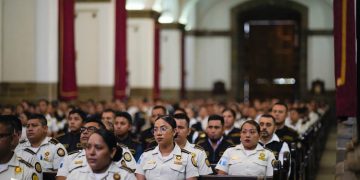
pixel 18 41
pixel 140 51
pixel 170 58
pixel 46 41
pixel 95 43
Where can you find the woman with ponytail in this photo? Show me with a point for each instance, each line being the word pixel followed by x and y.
pixel 101 154
pixel 167 160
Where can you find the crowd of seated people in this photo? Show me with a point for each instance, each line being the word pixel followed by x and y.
pixel 142 139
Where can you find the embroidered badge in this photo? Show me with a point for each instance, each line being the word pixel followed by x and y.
pixel 178 160
pixel 127 156
pixel 38 167
pixel 116 176
pixel 262 156
pixel 193 160
pixel 61 152
pixel 18 169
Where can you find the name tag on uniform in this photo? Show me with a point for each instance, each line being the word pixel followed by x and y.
pixel 151 162
pixel 234 157
pixel 79 162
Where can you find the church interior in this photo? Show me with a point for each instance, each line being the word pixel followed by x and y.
pixel 189 53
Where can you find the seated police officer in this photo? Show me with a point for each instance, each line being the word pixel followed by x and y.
pixel 231 132
pixel 11 165
pixel 280 111
pixel 215 143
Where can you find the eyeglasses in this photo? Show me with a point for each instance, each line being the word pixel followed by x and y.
pixel 161 129
pixel 90 129
pixel 4 135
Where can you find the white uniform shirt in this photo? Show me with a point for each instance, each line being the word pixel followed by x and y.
pixel 235 161
pixel 18 168
pixel 199 158
pixel 78 159
pixel 284 148
pixel 50 153
pixel 176 166
pixel 114 172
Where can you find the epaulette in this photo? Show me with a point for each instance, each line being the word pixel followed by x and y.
pixel 22 141
pixel 74 152
pixel 127 169
pixel 53 141
pixel 200 141
pixel 122 145
pixel 149 149
pixel 230 141
pixel 198 147
pixel 185 151
pixel 29 151
pixel 26 163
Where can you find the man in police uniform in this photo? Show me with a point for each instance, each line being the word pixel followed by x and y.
pixel 71 139
pixel 48 150
pixel 77 159
pixel 270 140
pixel 11 165
pixel 198 155
pixel 215 143
pixel 108 117
pixel 279 112
pixel 147 137
pixel 122 128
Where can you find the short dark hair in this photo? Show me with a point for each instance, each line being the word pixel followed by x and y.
pixel 10 122
pixel 95 120
pixel 231 111
pixel 125 115
pixel 111 142
pixel 40 117
pixel 252 122
pixel 180 109
pixel 281 104
pixel 80 112
pixel 182 116
pixel 268 116
pixel 215 117
pixel 44 100
pixel 108 110
pixel 160 107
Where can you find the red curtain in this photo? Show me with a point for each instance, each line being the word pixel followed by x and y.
pixel 345 65
pixel 182 68
pixel 67 69
pixel 120 50
pixel 156 90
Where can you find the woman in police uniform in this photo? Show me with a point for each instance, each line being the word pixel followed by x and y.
pixel 167 160
pixel 248 158
pixel 101 154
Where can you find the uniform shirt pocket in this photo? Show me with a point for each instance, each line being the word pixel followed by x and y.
pixel 178 168
pixel 260 167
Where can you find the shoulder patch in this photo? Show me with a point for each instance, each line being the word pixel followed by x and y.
pixel 127 169
pixel 185 151
pixel 53 141
pixel 198 147
pixel 60 152
pixel 73 152
pixel 26 163
pixel 149 149
pixel 29 151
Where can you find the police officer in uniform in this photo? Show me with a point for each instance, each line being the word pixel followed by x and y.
pixel 147 137
pixel 215 143
pixel 279 111
pixel 77 159
pixel 167 160
pixel 231 132
pixel 198 155
pixel 270 140
pixel 71 139
pixel 48 150
pixel 101 161
pixel 248 158
pixel 11 165
pixel 122 128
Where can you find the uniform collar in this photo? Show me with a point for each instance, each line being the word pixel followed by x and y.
pixel 175 151
pixel 241 147
pixel 273 138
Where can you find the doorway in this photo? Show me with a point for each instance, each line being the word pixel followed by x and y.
pixel 269 50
